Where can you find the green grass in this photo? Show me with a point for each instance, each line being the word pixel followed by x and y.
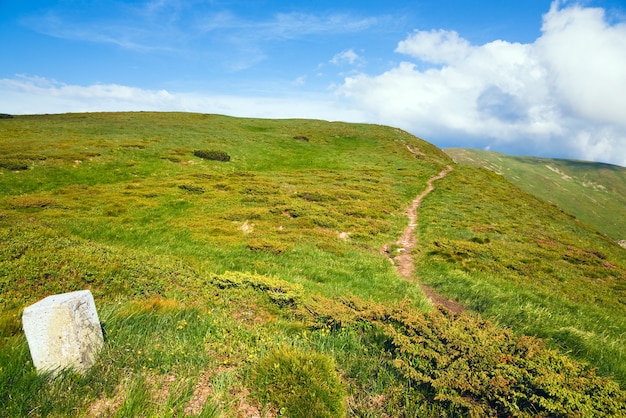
pixel 528 265
pixel 208 273
pixel 295 198
pixel 593 192
pixel 300 384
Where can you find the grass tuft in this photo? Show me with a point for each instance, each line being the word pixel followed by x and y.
pixel 299 384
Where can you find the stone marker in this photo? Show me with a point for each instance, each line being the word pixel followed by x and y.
pixel 63 331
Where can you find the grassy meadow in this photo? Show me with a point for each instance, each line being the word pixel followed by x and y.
pixel 531 266
pixel 257 286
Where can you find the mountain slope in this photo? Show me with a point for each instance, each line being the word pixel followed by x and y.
pixel 259 282
pixel 510 256
pixel 593 192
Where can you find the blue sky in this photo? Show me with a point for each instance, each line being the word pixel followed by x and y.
pixel 545 78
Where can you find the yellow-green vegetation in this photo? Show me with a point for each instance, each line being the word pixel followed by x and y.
pixel 511 257
pixel 593 192
pixel 255 285
pixel 305 384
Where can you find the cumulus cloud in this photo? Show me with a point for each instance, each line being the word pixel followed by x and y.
pixel 560 95
pixel 586 59
pixel 436 46
pixel 347 56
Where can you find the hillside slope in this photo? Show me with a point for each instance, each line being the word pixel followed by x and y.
pixel 593 192
pixel 259 283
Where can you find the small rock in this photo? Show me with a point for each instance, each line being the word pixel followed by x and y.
pixel 63 331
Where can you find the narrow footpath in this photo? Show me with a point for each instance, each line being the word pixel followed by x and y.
pixel 403 260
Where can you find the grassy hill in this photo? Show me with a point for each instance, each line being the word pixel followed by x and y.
pixel 260 282
pixel 593 192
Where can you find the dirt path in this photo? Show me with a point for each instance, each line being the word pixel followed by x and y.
pixel 403 260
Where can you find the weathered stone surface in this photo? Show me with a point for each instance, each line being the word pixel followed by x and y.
pixel 63 331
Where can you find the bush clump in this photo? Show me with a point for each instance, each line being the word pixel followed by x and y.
pixel 14 164
pixel 191 188
pixel 279 291
pixel 299 384
pixel 451 365
pixel 212 155
pixel 469 367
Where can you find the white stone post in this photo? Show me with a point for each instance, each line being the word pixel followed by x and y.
pixel 63 331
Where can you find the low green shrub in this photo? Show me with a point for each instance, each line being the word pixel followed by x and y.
pixel 13 164
pixel 471 367
pixel 212 155
pixel 279 291
pixel 191 188
pixel 30 202
pixel 299 384
pixel 265 246
pixel 461 365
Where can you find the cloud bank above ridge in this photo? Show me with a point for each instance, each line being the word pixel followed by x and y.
pixel 560 95
pixel 37 95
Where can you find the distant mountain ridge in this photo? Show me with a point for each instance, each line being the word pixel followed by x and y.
pixel 593 192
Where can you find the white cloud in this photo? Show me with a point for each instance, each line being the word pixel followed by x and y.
pixel 560 95
pixel 283 26
pixel 172 25
pixel 41 95
pixel 347 56
pixel 178 28
pixel 36 95
pixel 296 25
pixel 586 59
pixel 436 46
pixel 299 81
